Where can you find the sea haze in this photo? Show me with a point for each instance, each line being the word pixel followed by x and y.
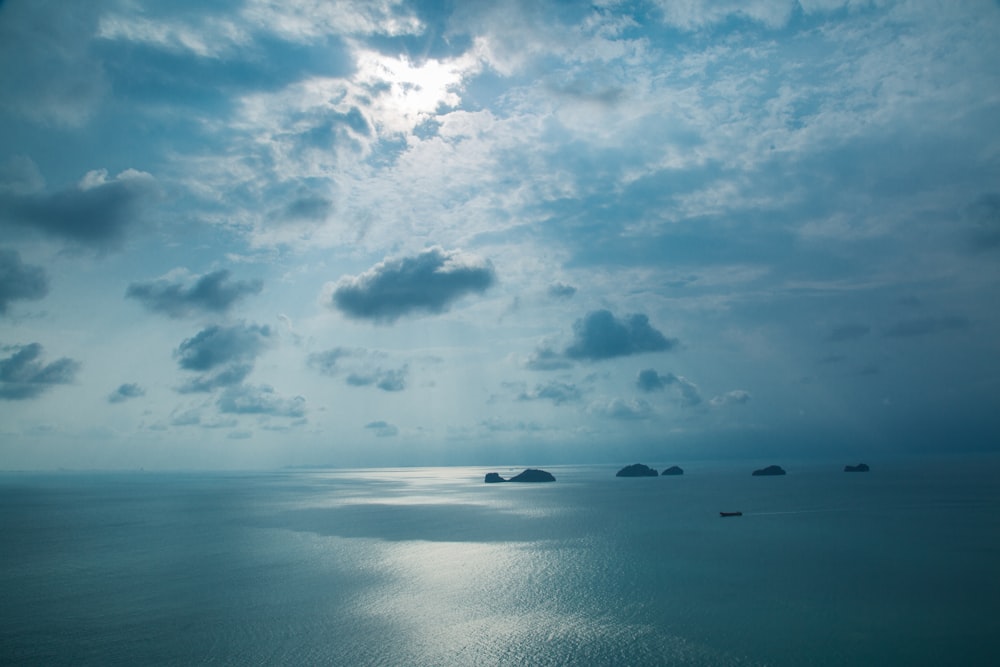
pixel 426 566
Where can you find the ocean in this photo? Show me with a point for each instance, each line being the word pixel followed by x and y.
pixel 430 566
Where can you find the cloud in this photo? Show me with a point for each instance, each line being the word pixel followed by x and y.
pixel 848 332
pixel 386 380
pixel 649 380
pixel 926 325
pixel 259 400
pixel 210 293
pixel 230 375
pixel 547 359
pixel 23 376
pixel 737 397
pixel 355 362
pixel 125 392
pixel 218 345
pixel 96 213
pixel 19 281
pixel 618 408
pixel 600 335
pixel 328 361
pixel 428 282
pixel 382 429
pixel 557 392
pixel 561 291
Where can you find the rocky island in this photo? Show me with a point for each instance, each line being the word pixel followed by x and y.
pixel 769 470
pixel 673 470
pixel 861 467
pixel 529 475
pixel 636 470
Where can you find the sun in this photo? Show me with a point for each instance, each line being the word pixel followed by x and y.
pixel 404 93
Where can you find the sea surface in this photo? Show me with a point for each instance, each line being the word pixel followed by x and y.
pixel 430 566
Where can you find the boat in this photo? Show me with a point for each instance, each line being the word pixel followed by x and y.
pixel 730 513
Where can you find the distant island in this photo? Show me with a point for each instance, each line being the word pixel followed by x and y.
pixel 636 470
pixel 673 470
pixel 861 467
pixel 529 475
pixel 769 470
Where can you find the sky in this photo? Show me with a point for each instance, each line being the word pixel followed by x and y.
pixel 256 234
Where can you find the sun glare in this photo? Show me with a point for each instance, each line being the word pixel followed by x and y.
pixel 404 93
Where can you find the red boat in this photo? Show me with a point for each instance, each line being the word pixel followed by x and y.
pixel 730 513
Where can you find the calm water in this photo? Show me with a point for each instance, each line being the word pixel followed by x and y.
pixel 899 566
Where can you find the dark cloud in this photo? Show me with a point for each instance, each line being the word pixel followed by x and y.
pixel 386 380
pixel 547 359
pixel 848 332
pixel 229 376
pixel 649 380
pixel 19 281
pixel 926 325
pixel 557 392
pixel 382 429
pixel 23 376
pixel 428 282
pixel 328 361
pixel 217 345
pixel 96 213
pixel 561 291
pixel 356 363
pixel 311 208
pixel 600 335
pixel 210 293
pixel 259 400
pixel 125 392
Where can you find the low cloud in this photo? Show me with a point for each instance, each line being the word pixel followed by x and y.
pixel 210 293
pixel 19 281
pixel 561 291
pixel 356 364
pixel 735 397
pixel 96 213
pixel 649 380
pixel 217 345
pixel 125 392
pixel 619 408
pixel 428 282
pixel 308 208
pixel 557 392
pixel 23 375
pixel 547 359
pixel 382 429
pixel 926 325
pixel 259 400
pixel 386 380
pixel 228 376
pixel 224 355
pixel 600 335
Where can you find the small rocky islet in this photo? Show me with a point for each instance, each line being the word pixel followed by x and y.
pixel 529 475
pixel 637 470
pixel 768 471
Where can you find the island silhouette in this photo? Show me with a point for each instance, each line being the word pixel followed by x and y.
pixel 529 475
